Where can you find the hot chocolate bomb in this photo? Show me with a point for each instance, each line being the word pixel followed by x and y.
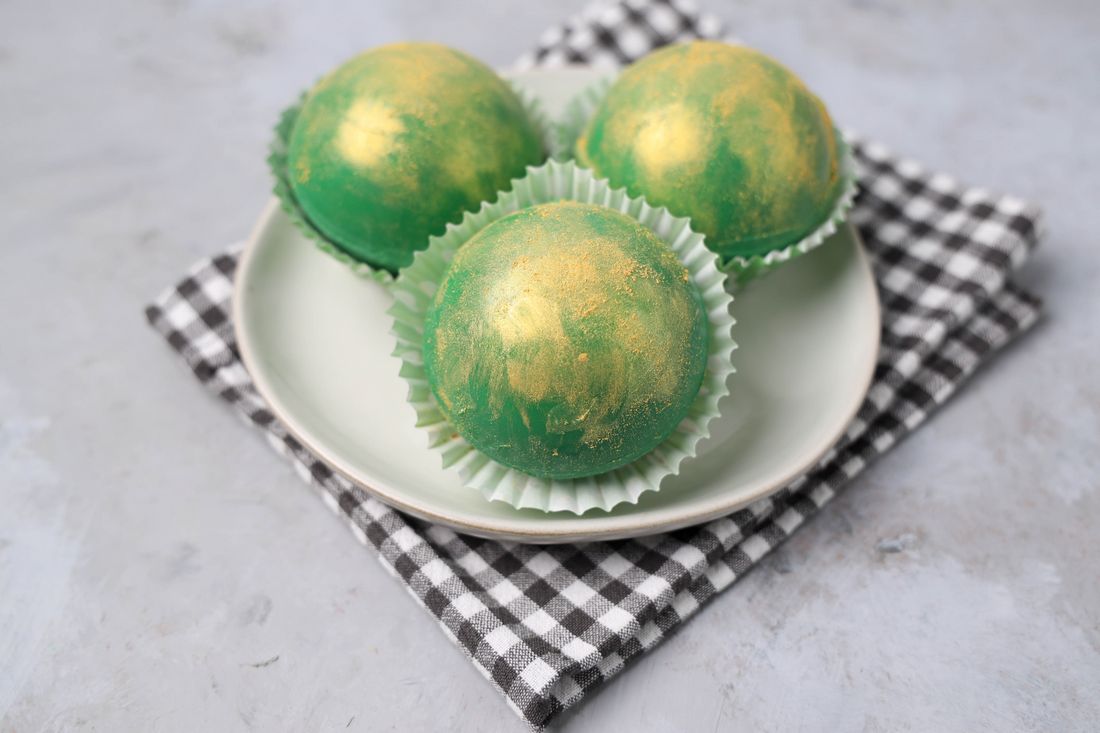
pixel 565 340
pixel 399 141
pixel 721 134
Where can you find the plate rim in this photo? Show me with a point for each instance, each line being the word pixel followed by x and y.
pixel 506 529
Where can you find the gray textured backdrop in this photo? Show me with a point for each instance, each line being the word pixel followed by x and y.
pixel 160 569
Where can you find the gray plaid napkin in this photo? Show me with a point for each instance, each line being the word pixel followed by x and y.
pixel 547 625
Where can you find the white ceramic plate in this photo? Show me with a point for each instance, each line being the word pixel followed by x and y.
pixel 316 340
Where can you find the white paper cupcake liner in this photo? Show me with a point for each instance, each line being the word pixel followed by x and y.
pixel 577 112
pixel 416 286
pixel 742 270
pixel 277 163
pixel 548 131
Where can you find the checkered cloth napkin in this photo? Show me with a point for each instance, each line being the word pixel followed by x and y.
pixel 547 625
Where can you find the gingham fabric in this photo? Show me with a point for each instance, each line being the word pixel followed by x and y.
pixel 547 625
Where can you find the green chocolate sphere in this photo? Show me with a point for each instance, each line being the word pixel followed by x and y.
pixel 566 340
pixel 724 135
pixel 399 141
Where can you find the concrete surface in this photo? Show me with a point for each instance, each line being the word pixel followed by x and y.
pixel 161 569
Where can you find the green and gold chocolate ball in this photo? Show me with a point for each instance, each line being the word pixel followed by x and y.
pixel 399 141
pixel 724 135
pixel 565 340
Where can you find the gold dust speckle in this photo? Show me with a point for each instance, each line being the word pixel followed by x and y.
pixel 367 132
pixel 302 171
pixel 670 139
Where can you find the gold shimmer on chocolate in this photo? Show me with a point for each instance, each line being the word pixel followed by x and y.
pixel 722 134
pixel 399 141
pixel 565 340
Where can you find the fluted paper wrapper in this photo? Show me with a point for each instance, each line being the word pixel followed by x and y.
pixel 741 270
pixel 415 288
pixel 277 162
